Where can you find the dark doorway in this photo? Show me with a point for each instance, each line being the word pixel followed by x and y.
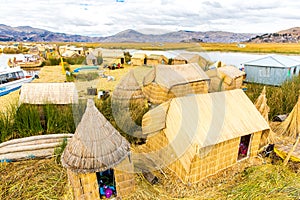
pixel 107 185
pixel 122 60
pixel 244 147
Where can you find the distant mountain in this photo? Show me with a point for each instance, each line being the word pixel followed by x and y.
pixel 291 35
pixel 29 34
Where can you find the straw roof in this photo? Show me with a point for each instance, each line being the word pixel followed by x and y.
pixel 139 56
pixel 202 120
pixel 128 88
pixel 291 125
pixel 187 57
pixel 44 93
pixel 231 71
pixel 112 53
pixel 172 75
pixel 156 57
pixel 96 144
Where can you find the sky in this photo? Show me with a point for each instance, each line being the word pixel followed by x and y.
pixel 108 17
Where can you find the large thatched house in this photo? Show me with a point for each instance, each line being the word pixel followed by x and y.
pixel 197 136
pixel 48 93
pixel 96 155
pixel 168 81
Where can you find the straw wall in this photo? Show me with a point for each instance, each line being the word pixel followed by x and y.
pixel 158 94
pixel 152 62
pixel 233 83
pixel 179 62
pixel 85 186
pixel 124 177
pixel 208 161
pixel 255 143
pixel 137 61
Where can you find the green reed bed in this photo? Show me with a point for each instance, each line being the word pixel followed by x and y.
pixel 281 100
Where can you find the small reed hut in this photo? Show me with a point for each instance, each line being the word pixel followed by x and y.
pixel 129 104
pixel 168 81
pixel 139 59
pixel 225 78
pixel 91 59
pixel 197 136
pixel 154 60
pixel 96 149
pixel 185 58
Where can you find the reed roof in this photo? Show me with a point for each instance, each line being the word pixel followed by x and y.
pixel 231 71
pixel 96 145
pixel 128 88
pixel 186 56
pixel 172 75
pixel 45 93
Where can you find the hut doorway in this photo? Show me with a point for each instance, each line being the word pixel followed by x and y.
pixel 145 61
pixel 244 147
pixel 122 60
pixel 107 184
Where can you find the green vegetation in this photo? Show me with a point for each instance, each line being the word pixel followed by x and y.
pixel 266 182
pixel 29 120
pixel 126 120
pixel 281 100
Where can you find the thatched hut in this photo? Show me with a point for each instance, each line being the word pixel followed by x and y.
pixel 128 89
pixel 168 81
pixel 197 136
pixel 154 60
pixel 225 78
pixel 185 58
pixel 111 56
pixel 48 93
pixel 129 104
pixel 91 59
pixel 95 149
pixel 139 59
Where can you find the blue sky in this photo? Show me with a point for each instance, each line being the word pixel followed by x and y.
pixel 107 17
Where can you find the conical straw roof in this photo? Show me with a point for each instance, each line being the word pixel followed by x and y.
pixel 96 145
pixel 128 88
pixel 261 104
pixel 291 125
pixel 264 109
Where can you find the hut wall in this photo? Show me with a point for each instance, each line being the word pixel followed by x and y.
pixel 255 142
pixel 137 61
pixel 210 160
pixel 158 94
pixel 84 186
pixel 124 177
pixel 152 62
pixel 179 62
pixel 233 84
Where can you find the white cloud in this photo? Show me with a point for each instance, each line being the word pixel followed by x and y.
pixel 106 17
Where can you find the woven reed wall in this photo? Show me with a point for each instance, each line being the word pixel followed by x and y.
pixel 210 159
pixel 84 186
pixel 124 177
pixel 158 94
pixel 234 84
pixel 153 62
pixel 178 62
pixel 137 61
pixel 255 142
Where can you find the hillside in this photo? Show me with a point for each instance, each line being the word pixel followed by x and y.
pixel 291 35
pixel 29 34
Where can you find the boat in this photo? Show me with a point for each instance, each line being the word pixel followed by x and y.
pixel 26 61
pixel 12 79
